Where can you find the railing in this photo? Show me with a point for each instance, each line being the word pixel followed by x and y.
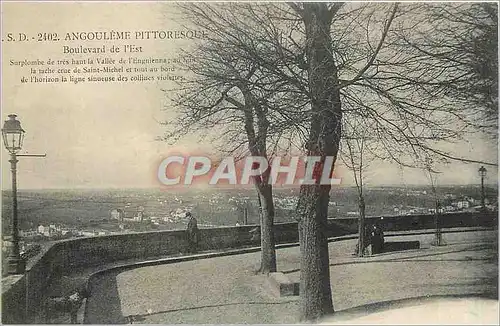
pixel 23 296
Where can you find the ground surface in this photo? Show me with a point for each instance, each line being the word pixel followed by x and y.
pixel 441 310
pixel 225 290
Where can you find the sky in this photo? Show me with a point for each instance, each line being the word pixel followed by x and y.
pixel 104 135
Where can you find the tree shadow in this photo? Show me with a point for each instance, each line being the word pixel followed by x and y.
pixel 141 317
pixel 406 259
pixel 490 282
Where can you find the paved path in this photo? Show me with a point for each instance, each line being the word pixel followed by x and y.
pixel 225 290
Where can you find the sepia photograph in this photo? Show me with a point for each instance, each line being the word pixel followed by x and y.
pixel 249 162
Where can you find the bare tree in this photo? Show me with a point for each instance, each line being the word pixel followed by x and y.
pixel 323 141
pixel 431 175
pixel 460 40
pixel 406 93
pixel 356 148
pixel 232 93
pixel 304 68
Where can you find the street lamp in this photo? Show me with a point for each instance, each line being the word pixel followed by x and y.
pixel 482 172
pixel 13 136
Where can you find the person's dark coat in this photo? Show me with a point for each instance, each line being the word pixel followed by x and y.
pixel 377 239
pixel 192 233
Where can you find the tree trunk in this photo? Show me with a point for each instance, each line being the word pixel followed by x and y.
pixel 324 138
pixel 267 240
pixel 437 233
pixel 361 227
pixel 257 147
pixel 315 291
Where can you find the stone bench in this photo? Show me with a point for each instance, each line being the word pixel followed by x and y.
pixel 400 245
pixel 282 286
pixel 391 246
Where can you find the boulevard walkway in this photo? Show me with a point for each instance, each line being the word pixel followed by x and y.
pixel 225 289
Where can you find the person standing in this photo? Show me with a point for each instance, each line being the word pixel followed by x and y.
pixel 192 233
pixel 377 235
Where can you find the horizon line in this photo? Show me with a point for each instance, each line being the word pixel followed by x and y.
pixel 243 188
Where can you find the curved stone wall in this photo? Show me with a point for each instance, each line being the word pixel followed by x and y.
pixel 23 296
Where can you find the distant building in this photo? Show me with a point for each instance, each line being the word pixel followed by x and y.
pixel 449 208
pixel 450 196
pixel 463 204
pixel 179 213
pixel 88 233
pixel 44 230
pixel 492 207
pixel 433 210
pixel 28 233
pixel 139 217
pixel 117 214
pixel 167 218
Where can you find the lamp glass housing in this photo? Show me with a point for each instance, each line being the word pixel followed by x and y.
pixel 13 134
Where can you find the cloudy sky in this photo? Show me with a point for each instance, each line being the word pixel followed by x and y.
pixel 103 135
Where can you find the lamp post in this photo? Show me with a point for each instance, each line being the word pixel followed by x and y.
pixel 13 136
pixel 482 173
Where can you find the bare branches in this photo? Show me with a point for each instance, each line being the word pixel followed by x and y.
pixel 403 78
pixel 368 80
pixel 377 50
pixel 462 40
pixel 235 73
pixel 334 8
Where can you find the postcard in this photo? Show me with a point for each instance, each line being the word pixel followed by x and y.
pixel 249 162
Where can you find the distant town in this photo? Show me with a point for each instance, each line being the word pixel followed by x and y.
pixel 55 215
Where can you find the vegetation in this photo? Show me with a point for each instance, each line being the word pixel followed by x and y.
pixel 306 70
